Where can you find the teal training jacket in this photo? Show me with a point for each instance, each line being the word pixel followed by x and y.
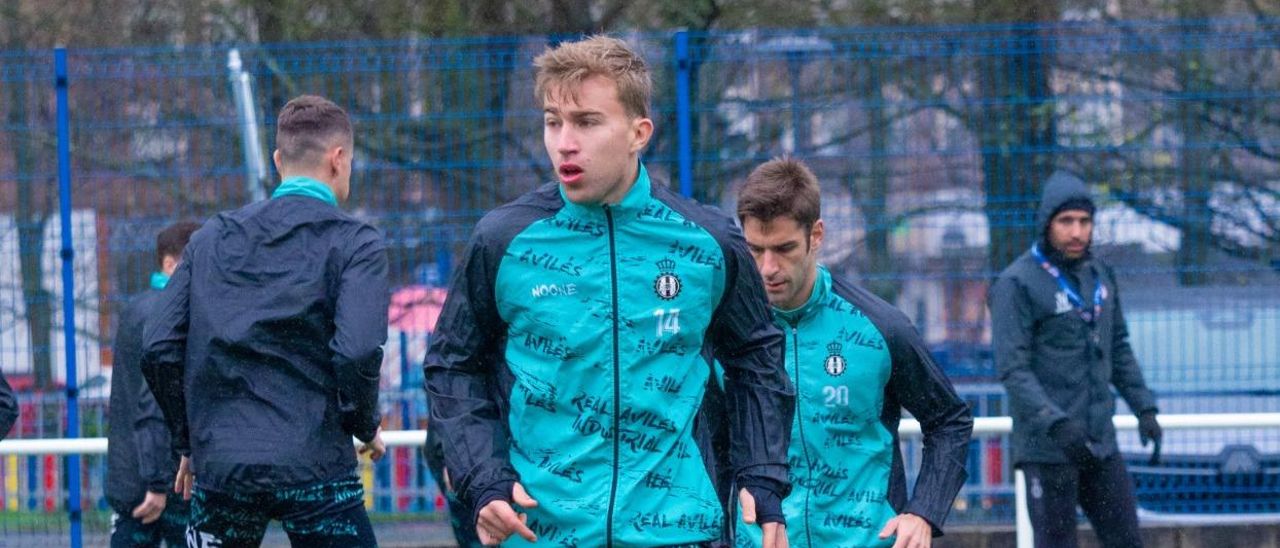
pixel 567 357
pixel 856 362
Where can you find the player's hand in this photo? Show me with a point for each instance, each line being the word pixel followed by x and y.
pixel 775 534
pixel 375 448
pixel 151 508
pixel 912 530
pixel 498 520
pixel 185 480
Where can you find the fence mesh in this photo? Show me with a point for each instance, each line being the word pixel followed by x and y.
pixel 931 144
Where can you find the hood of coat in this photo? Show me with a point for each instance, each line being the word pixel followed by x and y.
pixel 1061 189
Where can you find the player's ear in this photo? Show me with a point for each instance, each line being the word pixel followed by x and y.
pixel 815 234
pixel 641 132
pixel 335 158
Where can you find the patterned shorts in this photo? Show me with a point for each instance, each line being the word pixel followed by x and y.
pixel 323 514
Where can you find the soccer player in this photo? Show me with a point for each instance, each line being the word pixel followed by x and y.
pixel 1061 343
pixel 856 362
pixel 588 302
pixel 140 460
pixel 266 347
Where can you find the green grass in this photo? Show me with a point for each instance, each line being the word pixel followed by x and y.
pixel 29 520
pixel 402 517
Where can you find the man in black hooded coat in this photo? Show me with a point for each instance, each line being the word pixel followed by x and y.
pixel 1060 344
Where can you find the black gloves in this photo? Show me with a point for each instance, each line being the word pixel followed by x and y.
pixel 1074 441
pixel 1149 431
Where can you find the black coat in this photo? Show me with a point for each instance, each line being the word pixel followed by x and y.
pixel 139 455
pixel 266 348
pixel 1043 353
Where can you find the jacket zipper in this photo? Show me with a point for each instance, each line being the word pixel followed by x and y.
pixel 808 463
pixel 617 395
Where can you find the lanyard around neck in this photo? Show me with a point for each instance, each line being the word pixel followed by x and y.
pixel 1099 290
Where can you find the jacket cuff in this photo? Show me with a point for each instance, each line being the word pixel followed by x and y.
pixel 500 490
pixel 765 476
pixel 768 505
pixel 160 486
pixel 363 430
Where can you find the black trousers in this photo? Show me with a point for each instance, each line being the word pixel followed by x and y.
pixel 1104 491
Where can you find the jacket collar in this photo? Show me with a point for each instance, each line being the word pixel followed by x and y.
pixel 159 280
pixel 630 206
pixel 306 186
pixel 817 299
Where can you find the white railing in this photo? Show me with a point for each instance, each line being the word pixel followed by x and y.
pixel 98 446
pixel 909 428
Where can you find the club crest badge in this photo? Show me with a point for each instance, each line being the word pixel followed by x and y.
pixel 834 364
pixel 667 285
pixel 1061 303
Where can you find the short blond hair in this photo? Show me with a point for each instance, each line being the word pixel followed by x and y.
pixel 570 63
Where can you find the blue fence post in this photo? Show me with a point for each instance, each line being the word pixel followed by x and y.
pixel 444 255
pixel 404 381
pixel 33 483
pixel 684 113
pixel 68 289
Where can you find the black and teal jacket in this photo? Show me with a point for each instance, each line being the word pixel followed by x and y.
pixel 856 362
pixel 567 357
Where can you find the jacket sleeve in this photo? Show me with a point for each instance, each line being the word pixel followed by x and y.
pixel 1012 325
pixel 151 437
pixel 164 352
pixel 922 388
pixel 150 434
pixel 360 329
pixel 8 407
pixel 1125 374
pixel 458 365
pixel 759 398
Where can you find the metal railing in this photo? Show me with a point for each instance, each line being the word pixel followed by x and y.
pixel 908 429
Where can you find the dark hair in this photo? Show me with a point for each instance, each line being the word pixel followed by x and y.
pixel 173 239
pixel 308 126
pixel 781 187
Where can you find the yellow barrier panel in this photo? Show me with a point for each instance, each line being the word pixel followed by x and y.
pixel 11 482
pixel 366 479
